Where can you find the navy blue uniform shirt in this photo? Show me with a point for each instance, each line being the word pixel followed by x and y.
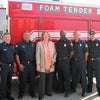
pixel 94 48
pixel 64 47
pixel 80 48
pixel 7 53
pixel 26 51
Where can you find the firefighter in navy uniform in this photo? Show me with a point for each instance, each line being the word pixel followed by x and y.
pixel 64 53
pixel 25 57
pixel 78 63
pixel 7 57
pixel 93 66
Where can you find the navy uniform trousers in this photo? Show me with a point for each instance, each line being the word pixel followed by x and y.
pixel 5 84
pixel 79 71
pixel 64 74
pixel 27 74
pixel 93 68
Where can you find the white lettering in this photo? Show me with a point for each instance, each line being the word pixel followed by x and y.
pixel 65 9
pixel 57 9
pixel 80 10
pixel 75 10
pixel 40 7
pixel 85 10
pixel 70 10
pixel 46 8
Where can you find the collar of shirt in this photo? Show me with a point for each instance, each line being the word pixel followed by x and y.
pixel 63 39
pixel 26 42
pixel 93 40
pixel 77 41
pixel 6 43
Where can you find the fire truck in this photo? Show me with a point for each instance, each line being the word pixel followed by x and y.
pixel 37 16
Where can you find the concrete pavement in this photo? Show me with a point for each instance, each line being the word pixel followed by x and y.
pixel 74 96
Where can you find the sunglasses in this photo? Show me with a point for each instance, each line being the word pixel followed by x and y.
pixel 92 34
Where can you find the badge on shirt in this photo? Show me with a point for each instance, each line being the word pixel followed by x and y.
pixel 23 46
pixel 64 45
pixel 80 45
pixel 4 49
pixel 86 46
pixel 71 44
pixel 97 44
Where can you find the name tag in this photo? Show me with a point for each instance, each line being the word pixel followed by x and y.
pixel 23 46
pixel 4 49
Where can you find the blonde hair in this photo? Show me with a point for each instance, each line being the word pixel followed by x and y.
pixel 43 33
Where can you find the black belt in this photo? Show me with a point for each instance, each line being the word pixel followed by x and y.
pixel 27 62
pixel 5 64
pixel 92 59
pixel 62 58
pixel 77 59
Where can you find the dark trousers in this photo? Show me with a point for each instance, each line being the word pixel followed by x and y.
pixel 79 71
pixel 5 83
pixel 27 74
pixel 64 75
pixel 93 68
pixel 45 83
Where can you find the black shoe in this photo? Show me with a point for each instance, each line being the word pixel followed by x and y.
pixel 89 91
pixel 60 91
pixel 48 94
pixel 73 91
pixel 10 98
pixel 40 98
pixel 67 94
pixel 33 96
pixel 98 93
pixel 84 94
pixel 20 97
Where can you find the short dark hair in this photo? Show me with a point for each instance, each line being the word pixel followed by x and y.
pixel 7 33
pixel 92 31
pixel 26 31
pixel 62 31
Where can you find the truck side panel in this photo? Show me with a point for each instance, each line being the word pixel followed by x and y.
pixel 19 25
pixel 69 25
pixel 95 24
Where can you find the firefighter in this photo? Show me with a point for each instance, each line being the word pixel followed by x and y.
pixel 7 56
pixel 78 63
pixel 64 53
pixel 25 57
pixel 93 66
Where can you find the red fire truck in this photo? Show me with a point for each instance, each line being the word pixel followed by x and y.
pixel 37 16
